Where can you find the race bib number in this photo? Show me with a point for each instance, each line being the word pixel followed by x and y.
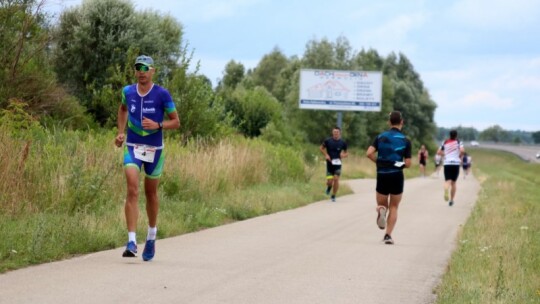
pixel 144 153
pixel 336 162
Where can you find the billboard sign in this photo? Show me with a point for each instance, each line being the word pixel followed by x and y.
pixel 340 90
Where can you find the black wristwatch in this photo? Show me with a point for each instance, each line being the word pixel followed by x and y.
pixel 160 125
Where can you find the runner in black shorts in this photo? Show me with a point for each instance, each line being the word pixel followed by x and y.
pixel 393 151
pixel 334 149
pixel 390 183
pixel 452 150
pixel 423 155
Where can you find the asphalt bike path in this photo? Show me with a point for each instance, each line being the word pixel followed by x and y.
pixel 322 253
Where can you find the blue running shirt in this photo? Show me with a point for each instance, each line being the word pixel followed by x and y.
pixel 154 105
pixel 392 146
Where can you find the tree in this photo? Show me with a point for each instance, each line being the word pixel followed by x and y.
pixel 253 110
pixel 25 71
pixel 201 113
pixel 233 75
pixel 464 133
pixel 93 40
pixel 495 133
pixel 412 99
pixel 536 137
pixel 268 71
pixel 368 61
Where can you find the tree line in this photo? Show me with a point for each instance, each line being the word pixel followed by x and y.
pixel 70 73
pixel 493 133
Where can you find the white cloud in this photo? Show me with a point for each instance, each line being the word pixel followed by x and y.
pixel 447 76
pixel 519 82
pixel 496 14
pixel 393 35
pixel 485 100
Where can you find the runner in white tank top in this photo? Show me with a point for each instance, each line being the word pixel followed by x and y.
pixel 452 150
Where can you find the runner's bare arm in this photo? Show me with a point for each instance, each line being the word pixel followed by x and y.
pixel 121 124
pixel 370 153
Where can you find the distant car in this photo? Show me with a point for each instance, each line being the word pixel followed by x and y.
pixel 538 155
pixel 474 143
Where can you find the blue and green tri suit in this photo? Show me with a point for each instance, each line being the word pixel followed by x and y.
pixel 154 105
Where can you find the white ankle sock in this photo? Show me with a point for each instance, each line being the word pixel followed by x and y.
pixel 132 237
pixel 152 231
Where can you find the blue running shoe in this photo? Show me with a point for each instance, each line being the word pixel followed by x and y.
pixel 149 250
pixel 131 250
pixel 333 198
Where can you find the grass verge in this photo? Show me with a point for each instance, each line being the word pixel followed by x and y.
pixel 65 192
pixel 497 259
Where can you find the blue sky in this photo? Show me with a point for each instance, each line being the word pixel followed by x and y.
pixel 479 59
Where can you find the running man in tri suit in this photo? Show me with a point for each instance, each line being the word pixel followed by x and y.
pixel 143 108
pixel 452 150
pixel 393 151
pixel 334 149
pixel 423 155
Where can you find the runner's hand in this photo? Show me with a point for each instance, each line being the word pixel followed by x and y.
pixel 119 140
pixel 149 124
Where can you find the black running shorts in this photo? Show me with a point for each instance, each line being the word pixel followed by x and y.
pixel 390 183
pixel 332 170
pixel 451 172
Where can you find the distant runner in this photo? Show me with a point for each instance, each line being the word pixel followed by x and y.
pixel 393 154
pixel 334 149
pixel 466 163
pixel 423 155
pixel 452 150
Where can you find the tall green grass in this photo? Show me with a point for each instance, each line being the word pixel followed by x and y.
pixel 498 255
pixel 62 192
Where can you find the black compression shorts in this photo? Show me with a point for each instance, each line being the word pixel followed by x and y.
pixel 390 183
pixel 451 172
pixel 332 170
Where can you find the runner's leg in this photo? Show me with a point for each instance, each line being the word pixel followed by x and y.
pixel 393 213
pixel 152 203
pixel 336 184
pixel 453 190
pixel 131 208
